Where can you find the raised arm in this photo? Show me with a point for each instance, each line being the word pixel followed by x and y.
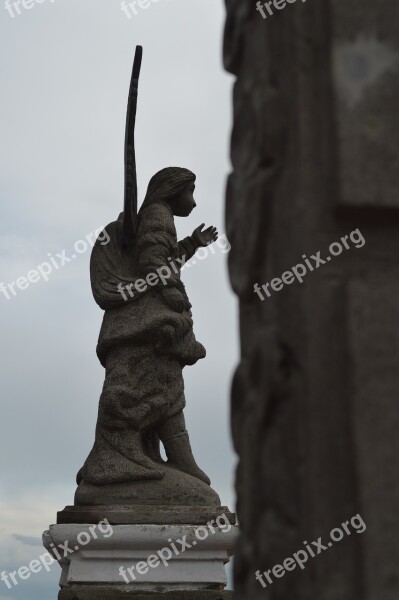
pixel 187 248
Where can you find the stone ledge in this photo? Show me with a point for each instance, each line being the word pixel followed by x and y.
pixel 109 593
pixel 142 515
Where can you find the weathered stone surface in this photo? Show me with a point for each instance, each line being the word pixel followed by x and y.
pixel 366 83
pixel 374 343
pixel 314 410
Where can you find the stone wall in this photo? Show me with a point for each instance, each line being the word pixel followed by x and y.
pixel 315 411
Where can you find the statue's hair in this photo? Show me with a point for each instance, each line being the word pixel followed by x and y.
pixel 166 184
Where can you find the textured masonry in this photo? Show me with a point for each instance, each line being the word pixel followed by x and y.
pixel 315 411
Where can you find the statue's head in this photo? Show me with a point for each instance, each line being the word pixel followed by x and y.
pixel 175 186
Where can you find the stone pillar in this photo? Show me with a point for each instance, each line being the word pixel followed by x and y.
pixel 314 401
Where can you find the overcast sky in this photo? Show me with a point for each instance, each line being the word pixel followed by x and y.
pixel 65 69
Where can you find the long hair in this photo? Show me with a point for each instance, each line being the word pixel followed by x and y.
pixel 167 184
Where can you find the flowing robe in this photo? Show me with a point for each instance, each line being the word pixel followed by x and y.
pixel 143 345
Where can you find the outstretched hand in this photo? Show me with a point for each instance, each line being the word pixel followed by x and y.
pixel 204 237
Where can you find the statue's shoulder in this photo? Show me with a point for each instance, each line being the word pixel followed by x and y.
pixel 157 216
pixel 111 234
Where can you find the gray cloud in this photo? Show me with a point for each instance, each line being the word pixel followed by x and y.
pixel 27 540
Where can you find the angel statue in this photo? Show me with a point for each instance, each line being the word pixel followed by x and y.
pixel 146 340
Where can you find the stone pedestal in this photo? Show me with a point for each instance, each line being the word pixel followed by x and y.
pixel 142 560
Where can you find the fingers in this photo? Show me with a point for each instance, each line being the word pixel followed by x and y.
pixel 207 236
pixel 211 234
pixel 212 231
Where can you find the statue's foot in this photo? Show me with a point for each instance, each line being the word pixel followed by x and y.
pixel 180 456
pixel 190 469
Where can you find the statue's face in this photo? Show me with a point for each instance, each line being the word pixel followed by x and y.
pixel 184 204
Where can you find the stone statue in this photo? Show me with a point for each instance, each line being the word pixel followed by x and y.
pixel 145 341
